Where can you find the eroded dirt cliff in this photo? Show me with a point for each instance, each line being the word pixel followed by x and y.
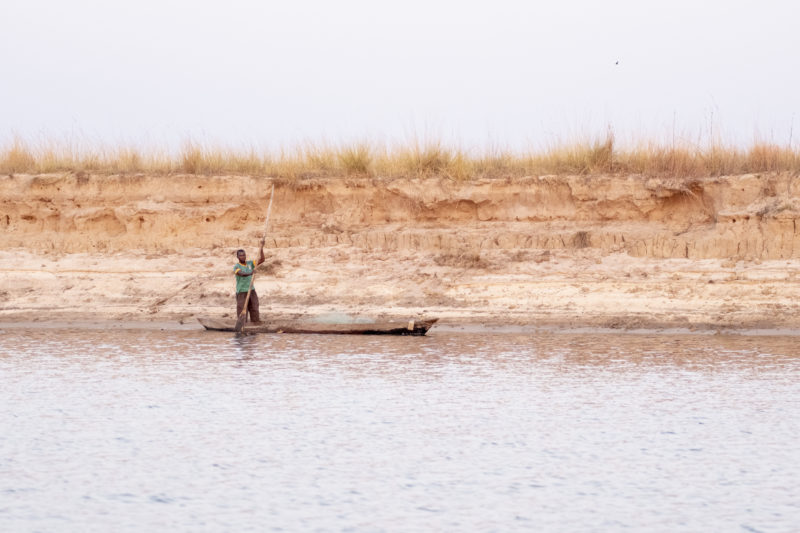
pixel 579 250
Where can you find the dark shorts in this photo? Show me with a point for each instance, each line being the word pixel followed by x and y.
pixel 252 305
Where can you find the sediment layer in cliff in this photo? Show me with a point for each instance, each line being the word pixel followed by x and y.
pixel 743 217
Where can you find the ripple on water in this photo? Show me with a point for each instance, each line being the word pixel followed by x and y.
pixel 127 430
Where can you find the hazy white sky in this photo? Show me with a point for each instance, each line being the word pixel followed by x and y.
pixel 505 72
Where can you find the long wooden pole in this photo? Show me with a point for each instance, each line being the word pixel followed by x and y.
pixel 242 319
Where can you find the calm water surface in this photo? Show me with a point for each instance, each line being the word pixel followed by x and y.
pixel 196 431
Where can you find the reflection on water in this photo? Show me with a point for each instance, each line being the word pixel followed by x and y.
pixel 202 431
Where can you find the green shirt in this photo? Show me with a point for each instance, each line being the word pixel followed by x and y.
pixel 243 282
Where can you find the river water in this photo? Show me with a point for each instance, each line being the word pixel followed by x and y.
pixel 195 431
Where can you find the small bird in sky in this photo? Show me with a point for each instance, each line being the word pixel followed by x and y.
pixel 617 63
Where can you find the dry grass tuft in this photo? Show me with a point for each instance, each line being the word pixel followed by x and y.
pixel 355 159
pixel 595 157
pixel 17 158
pixel 422 160
pixel 765 157
pixel 416 159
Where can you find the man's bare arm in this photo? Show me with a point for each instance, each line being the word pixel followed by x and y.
pixel 261 254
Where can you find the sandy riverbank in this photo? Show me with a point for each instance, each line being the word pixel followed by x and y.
pixel 614 252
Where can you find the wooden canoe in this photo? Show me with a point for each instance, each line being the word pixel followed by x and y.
pixel 411 327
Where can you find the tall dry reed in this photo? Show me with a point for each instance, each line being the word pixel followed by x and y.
pixel 415 159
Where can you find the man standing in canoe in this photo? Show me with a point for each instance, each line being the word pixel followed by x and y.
pixel 244 270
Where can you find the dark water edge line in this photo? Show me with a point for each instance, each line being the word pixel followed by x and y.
pixel 593 330
pixel 466 328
